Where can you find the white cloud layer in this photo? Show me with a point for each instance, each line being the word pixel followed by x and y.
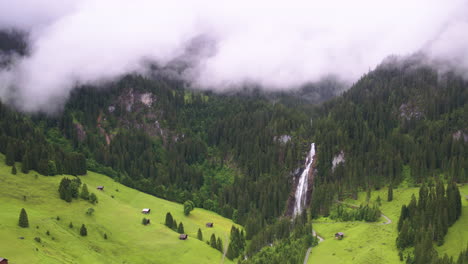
pixel 277 44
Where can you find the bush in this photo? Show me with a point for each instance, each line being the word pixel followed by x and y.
pixel 90 211
pixel 188 207
pixel 83 230
pixel 93 198
pixel 37 239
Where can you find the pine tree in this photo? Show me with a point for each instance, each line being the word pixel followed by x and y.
pixel 213 241
pixel 219 245
pixel 13 170
pixel 70 225
pixel 25 163
pixel 84 192
pixel 368 195
pixel 83 230
pixel 10 154
pixel 169 220
pixel 180 229
pixel 23 219
pixel 200 235
pixel 390 193
pixel 230 254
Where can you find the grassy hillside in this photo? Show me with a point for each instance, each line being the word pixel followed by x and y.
pixel 118 214
pixel 375 242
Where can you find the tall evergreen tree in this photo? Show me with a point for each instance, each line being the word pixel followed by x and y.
pixel 213 241
pixel 23 219
pixel 390 193
pixel 180 229
pixel 219 245
pixel 200 235
pixel 169 220
pixel 84 192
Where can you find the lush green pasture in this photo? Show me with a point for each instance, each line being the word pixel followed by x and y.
pixel 119 217
pixel 456 239
pixel 375 242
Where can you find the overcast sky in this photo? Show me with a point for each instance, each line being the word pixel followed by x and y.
pixel 277 44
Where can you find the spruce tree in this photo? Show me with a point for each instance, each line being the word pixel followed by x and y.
pixel 213 241
pixel 13 170
pixel 23 219
pixel 25 163
pixel 83 230
pixel 390 193
pixel 169 220
pixel 219 244
pixel 84 192
pixel 200 235
pixel 230 254
pixel 10 154
pixel 180 229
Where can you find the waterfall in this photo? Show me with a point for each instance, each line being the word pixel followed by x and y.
pixel 302 185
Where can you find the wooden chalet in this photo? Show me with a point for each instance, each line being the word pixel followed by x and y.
pixel 339 235
pixel 146 211
pixel 209 224
pixel 3 261
pixel 101 188
pixel 183 236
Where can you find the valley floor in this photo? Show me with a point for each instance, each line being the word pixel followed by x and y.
pixel 118 215
pixel 369 243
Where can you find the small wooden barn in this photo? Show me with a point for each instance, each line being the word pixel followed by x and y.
pixel 101 188
pixel 209 224
pixel 339 235
pixel 146 211
pixel 3 261
pixel 183 236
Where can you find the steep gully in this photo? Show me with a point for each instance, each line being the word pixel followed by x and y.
pixel 302 193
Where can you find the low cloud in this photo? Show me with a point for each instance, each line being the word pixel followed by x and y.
pixel 274 44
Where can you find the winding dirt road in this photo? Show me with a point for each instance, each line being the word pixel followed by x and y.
pixel 321 239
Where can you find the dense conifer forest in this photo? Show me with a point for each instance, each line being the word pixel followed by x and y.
pixel 237 153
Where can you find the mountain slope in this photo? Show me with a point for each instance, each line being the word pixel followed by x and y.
pixel 119 218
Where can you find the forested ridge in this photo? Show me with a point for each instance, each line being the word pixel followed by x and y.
pixel 237 153
pixel 398 123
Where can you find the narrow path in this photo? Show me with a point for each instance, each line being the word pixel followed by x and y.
pixel 307 255
pixel 321 239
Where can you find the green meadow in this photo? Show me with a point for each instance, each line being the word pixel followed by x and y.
pixel 369 243
pixel 118 215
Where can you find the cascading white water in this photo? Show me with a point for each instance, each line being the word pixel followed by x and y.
pixel 302 186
